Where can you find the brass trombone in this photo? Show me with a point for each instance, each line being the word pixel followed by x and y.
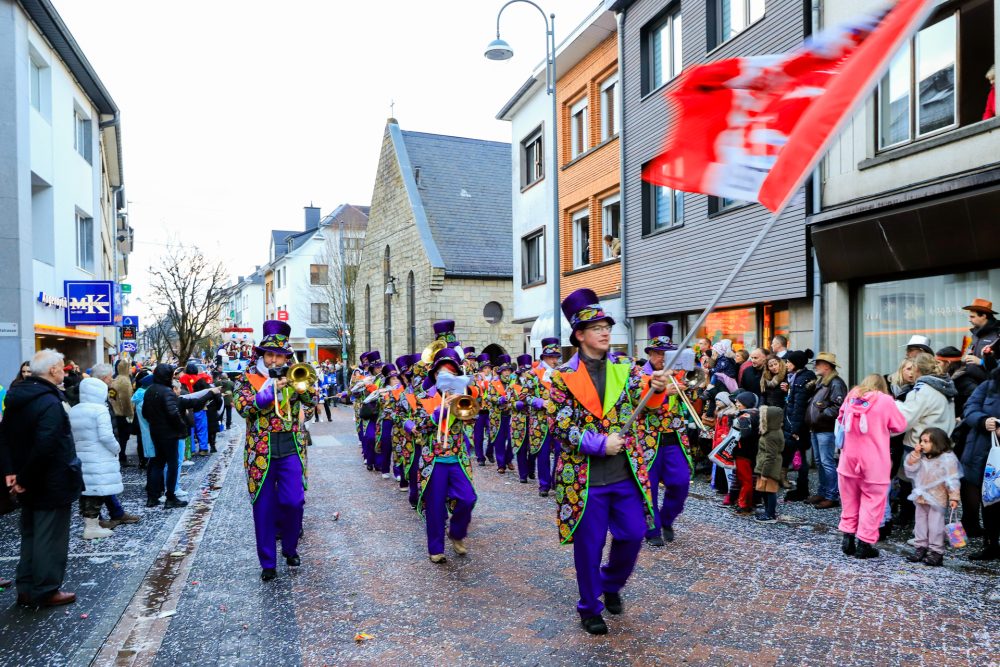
pixel 687 403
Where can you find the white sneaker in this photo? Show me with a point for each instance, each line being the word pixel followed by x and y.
pixel 188 463
pixel 181 493
pixel 163 499
pixel 92 530
pixel 386 475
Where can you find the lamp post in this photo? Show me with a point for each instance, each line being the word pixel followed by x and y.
pixel 498 49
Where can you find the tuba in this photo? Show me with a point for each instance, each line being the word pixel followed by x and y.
pixel 427 356
pixel 302 377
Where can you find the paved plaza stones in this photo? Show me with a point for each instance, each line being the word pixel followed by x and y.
pixel 727 592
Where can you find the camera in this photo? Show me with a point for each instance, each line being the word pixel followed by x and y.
pixel 277 373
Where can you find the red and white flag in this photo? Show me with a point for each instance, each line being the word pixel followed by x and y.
pixel 753 128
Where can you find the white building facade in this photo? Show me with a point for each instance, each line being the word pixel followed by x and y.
pixel 62 207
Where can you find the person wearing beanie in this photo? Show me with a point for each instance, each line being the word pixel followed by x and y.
pixel 601 478
pixel 747 422
pixel 665 443
pixel 544 447
pixel 517 396
pixel 723 479
pixel 275 457
pixel 799 385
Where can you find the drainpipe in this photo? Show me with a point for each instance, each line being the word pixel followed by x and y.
pixel 620 19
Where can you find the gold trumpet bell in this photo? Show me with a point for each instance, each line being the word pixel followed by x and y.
pixel 302 377
pixel 427 356
pixel 466 408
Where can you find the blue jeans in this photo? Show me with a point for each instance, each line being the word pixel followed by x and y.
pixel 115 509
pixel 824 445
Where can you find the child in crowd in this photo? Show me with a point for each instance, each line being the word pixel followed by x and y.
pixel 747 421
pixel 724 412
pixel 768 468
pixel 935 472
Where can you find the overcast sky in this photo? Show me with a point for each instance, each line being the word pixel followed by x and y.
pixel 235 115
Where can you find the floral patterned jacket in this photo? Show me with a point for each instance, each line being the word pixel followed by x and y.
pixel 538 388
pixel 664 427
pixel 517 398
pixel 454 442
pixel 261 422
pixel 581 420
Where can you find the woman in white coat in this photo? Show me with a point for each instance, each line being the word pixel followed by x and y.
pixel 97 449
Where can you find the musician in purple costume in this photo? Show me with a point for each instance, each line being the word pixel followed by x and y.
pixel 372 383
pixel 500 415
pixel 517 395
pixel 358 376
pixel 386 401
pixel 548 453
pixel 601 479
pixel 275 455
pixel 481 428
pixel 665 444
pixel 445 471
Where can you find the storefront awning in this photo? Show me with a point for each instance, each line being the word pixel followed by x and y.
pixel 943 232
pixel 47 330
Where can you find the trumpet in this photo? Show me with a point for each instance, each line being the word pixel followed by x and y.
pixel 696 379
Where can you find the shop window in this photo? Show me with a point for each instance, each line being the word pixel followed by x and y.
pixel 937 82
pixel 888 313
pixel 737 324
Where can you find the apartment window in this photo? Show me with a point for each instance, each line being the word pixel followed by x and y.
pixel 35 75
pixel 663 208
pixel 609 108
pixel 82 140
pixel 611 220
pixel 533 258
pixel 532 160
pixel 578 128
pixel 731 17
pixel 85 242
pixel 277 279
pixel 662 49
pixel 919 95
pixel 581 238
pixel 723 204
pixel 320 313
pixel 319 274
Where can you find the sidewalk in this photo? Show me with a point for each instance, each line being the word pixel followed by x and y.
pixel 104 574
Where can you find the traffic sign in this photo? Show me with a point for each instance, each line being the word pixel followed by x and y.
pixel 130 346
pixel 126 288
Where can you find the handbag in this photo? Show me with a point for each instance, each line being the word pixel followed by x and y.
pixel 956 532
pixel 991 476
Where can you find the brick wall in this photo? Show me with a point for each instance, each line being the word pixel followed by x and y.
pixel 592 177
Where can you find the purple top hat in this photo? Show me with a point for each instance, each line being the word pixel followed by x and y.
pixel 582 308
pixel 551 348
pixel 402 363
pixel 524 361
pixel 363 360
pixel 470 353
pixel 444 330
pixel 275 338
pixel 484 359
pixel 374 358
pixel 440 359
pixel 661 337
pixel 454 344
pixel 389 371
pixel 503 363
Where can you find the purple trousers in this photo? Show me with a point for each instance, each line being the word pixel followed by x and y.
pixel 671 468
pixel 368 443
pixel 479 435
pixel 616 507
pixel 501 443
pixel 279 507
pixel 447 482
pixel 525 462
pixel 383 458
pixel 548 454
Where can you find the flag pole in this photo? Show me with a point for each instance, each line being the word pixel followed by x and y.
pixel 764 231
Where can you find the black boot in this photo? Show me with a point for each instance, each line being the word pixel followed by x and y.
pixel 613 603
pixel 990 551
pixel 865 550
pixel 848 545
pixel 268 573
pixel 595 625
pixel 917 555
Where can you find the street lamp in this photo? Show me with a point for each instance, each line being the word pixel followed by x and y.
pixel 498 49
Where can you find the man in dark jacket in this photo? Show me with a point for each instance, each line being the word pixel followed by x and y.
pixel 800 385
pixel 982 414
pixel 821 413
pixel 985 334
pixel 40 465
pixel 162 409
pixel 750 381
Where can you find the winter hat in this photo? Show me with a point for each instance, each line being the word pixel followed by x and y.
pixel 747 399
pixel 275 339
pixel 799 358
pixel 949 353
pixel 724 398
pixel 724 348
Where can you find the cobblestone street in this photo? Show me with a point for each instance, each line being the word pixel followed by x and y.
pixel 726 592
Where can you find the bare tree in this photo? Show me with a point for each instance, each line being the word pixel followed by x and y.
pixel 338 291
pixel 191 293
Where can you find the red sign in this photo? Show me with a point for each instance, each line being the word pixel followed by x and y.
pixel 283 315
